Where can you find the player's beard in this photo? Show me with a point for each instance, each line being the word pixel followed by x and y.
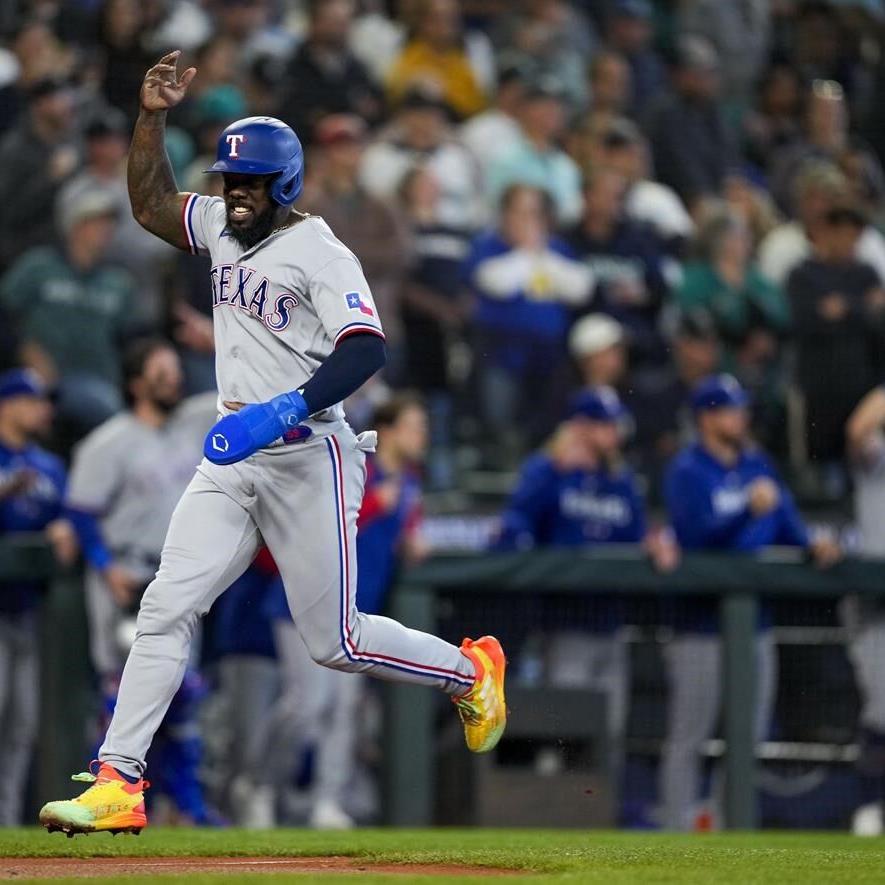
pixel 260 229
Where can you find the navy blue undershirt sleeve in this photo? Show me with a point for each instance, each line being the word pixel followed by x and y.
pixel 344 371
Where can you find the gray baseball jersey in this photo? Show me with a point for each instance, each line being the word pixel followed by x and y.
pixel 131 476
pixel 279 308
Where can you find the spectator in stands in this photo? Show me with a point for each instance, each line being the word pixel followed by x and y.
pixel 550 40
pixel 722 493
pixel 741 33
pixel 863 616
pixel 751 203
pixel 750 314
pixel 120 32
pixel 826 137
pixel 376 37
pixel 773 122
pixel 434 312
pixel 35 53
pixel 126 478
pixel 72 307
pixel 621 146
pixel 838 307
pixel 490 132
pixel 421 134
pixel 599 347
pixel 535 157
pixel 324 77
pixel 32 485
pixel 146 257
pixel 627 260
pixel 321 709
pixel 373 229
pixel 578 492
pixel 37 156
pixel 460 66
pixel 660 401
pixel 692 145
pixel 818 188
pixel 525 282
pixel 610 85
pixel 629 31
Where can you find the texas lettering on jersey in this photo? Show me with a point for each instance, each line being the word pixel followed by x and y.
pixel 249 291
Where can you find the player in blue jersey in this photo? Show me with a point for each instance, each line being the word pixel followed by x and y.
pixel 722 493
pixel 32 484
pixel 579 492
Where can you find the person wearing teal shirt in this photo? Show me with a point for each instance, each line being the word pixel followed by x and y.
pixel 72 308
pixel 749 312
pixel 534 158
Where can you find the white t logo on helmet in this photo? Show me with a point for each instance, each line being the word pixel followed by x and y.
pixel 234 141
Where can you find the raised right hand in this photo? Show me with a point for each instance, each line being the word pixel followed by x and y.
pixel 163 88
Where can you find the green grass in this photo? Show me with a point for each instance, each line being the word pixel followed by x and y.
pixel 543 856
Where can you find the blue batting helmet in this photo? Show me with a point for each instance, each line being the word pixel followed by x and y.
pixel 597 404
pixel 263 146
pixel 719 392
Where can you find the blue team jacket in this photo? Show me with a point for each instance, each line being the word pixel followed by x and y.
pixel 29 511
pixel 707 503
pixel 577 508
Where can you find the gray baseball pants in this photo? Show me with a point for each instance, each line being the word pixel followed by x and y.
pixel 694 668
pixel 316 706
pixel 19 701
pixel 302 501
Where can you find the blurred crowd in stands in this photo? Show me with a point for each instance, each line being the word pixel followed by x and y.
pixel 543 194
pixel 548 198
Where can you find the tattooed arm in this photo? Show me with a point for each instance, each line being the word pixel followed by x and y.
pixel 156 202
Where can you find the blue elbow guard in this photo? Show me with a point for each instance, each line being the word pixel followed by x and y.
pixel 255 427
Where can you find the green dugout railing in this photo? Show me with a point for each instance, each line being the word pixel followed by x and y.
pixel 67 696
pixel 737 580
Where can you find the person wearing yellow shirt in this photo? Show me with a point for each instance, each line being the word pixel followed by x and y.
pixel 437 51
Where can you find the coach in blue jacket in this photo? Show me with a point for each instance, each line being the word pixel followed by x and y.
pixel 577 492
pixel 722 493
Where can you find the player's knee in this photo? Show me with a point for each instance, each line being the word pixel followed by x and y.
pixel 158 614
pixel 326 656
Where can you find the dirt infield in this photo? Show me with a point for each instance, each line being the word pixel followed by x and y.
pixel 97 867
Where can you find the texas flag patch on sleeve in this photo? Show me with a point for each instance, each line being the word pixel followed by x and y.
pixel 355 302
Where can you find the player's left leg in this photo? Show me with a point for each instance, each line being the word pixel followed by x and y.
pixel 19 674
pixel 308 500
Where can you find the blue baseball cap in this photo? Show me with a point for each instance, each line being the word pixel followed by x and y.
pixel 21 382
pixel 719 392
pixel 597 404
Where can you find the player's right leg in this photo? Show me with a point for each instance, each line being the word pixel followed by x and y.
pixel 211 540
pixel 693 666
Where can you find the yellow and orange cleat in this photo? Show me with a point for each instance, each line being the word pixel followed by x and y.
pixel 110 804
pixel 483 710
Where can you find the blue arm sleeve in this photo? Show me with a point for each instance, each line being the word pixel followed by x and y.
pixel 638 527
pixel 344 371
pixel 91 541
pixel 691 511
pixel 522 521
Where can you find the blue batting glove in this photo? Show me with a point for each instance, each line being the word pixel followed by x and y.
pixel 255 427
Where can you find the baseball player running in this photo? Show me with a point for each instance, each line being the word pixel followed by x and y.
pixel 296 331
